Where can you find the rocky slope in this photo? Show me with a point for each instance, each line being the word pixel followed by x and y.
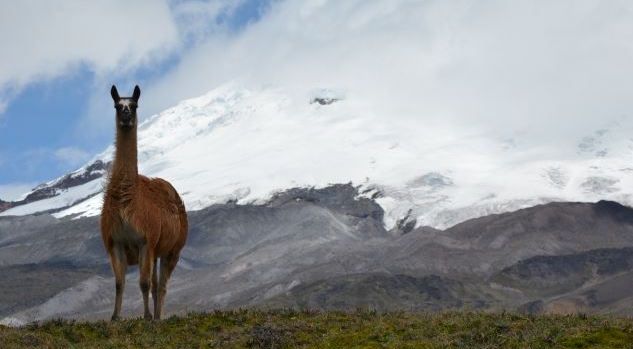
pixel 328 248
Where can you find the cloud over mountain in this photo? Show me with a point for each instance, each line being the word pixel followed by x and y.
pixel 43 40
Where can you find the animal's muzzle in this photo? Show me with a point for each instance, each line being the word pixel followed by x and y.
pixel 126 120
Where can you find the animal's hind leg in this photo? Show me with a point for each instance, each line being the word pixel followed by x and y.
pixel 146 261
pixel 155 284
pixel 119 267
pixel 167 266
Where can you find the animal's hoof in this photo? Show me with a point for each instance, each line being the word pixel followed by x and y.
pixel 148 316
pixel 114 318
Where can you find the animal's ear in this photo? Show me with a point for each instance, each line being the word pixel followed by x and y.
pixel 115 94
pixel 137 93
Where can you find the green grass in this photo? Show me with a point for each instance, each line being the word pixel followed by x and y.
pixel 302 329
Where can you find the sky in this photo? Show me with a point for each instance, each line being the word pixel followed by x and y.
pixel 551 71
pixel 55 76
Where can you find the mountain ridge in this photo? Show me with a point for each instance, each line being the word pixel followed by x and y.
pixel 246 145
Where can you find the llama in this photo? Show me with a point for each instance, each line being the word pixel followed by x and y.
pixel 142 218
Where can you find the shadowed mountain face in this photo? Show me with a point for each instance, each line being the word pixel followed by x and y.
pixel 555 274
pixel 327 248
pixel 383 291
pixel 593 281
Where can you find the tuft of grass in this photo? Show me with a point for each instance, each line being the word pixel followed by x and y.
pixel 288 328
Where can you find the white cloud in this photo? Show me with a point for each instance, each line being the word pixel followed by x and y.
pixel 551 70
pixel 46 39
pixel 71 156
pixel 187 23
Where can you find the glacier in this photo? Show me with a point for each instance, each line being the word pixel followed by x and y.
pixel 244 145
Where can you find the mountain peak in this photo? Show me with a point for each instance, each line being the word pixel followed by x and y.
pixel 241 145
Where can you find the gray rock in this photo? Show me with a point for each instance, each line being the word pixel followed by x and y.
pixel 327 248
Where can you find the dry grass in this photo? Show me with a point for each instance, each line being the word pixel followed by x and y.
pixel 304 329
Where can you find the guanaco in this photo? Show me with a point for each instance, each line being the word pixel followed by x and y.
pixel 142 218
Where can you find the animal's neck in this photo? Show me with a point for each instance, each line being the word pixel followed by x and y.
pixel 125 167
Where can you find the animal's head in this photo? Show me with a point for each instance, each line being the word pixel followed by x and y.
pixel 125 108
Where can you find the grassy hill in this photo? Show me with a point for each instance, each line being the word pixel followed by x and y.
pixel 361 329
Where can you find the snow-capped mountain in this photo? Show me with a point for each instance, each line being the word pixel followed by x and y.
pixel 244 145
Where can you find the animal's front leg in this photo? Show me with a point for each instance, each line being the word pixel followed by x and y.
pixel 119 267
pixel 155 285
pixel 146 266
pixel 167 266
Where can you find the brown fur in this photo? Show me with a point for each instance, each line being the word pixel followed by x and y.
pixel 142 218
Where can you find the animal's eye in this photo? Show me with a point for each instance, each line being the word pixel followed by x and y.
pixel 117 107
